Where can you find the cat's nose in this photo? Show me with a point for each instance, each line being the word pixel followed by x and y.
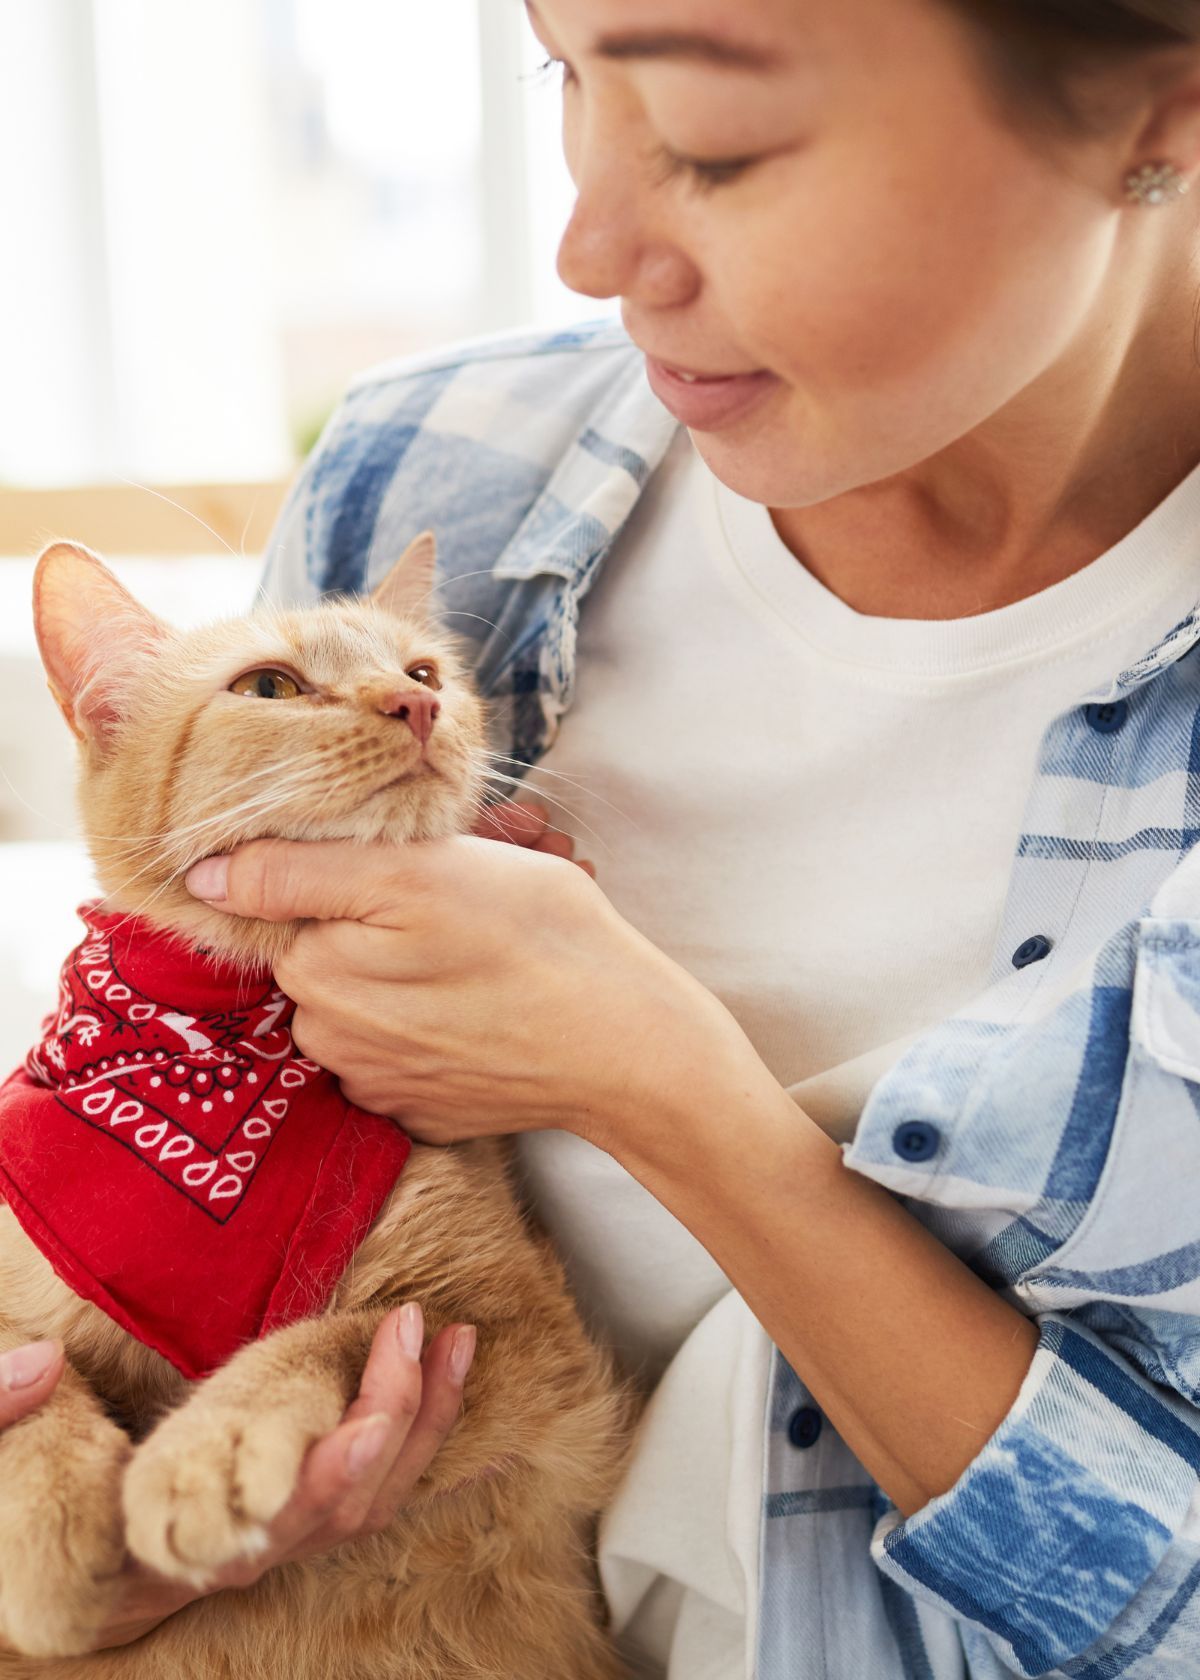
pixel 415 708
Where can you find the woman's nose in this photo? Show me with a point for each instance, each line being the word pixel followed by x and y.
pixel 606 251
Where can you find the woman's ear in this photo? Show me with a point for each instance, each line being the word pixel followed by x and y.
pixel 95 639
pixel 406 590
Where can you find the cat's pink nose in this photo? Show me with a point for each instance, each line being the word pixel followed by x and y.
pixel 416 709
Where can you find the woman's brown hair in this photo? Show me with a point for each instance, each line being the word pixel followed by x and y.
pixel 1041 54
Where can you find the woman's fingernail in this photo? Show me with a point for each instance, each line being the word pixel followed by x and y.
pixel 367 1444
pixel 462 1353
pixel 25 1366
pixel 208 879
pixel 411 1329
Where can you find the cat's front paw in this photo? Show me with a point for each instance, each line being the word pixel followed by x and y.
pixel 61 1538
pixel 201 1489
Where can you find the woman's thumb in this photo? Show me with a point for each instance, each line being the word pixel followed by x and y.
pixel 286 880
pixel 28 1376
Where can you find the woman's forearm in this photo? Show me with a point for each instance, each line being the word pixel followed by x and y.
pixel 588 1026
pixel 914 1360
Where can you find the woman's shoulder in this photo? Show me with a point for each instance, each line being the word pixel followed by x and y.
pixel 520 354
pixel 467 440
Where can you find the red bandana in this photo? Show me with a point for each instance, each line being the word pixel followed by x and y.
pixel 175 1158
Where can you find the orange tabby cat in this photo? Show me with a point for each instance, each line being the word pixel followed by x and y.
pixel 489 1578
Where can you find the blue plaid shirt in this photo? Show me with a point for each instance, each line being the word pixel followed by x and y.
pixel 1048 1133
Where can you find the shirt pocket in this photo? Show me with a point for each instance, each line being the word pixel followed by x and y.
pixel 1165 1023
pixel 1137 1246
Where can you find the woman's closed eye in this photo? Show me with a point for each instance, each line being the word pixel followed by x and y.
pixel 704 173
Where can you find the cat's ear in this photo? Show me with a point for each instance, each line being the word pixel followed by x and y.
pixel 95 639
pixel 407 589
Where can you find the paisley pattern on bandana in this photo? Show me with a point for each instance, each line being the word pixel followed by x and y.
pixel 199 1103
pixel 175 1157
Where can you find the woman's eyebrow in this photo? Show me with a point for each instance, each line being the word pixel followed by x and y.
pixel 686 44
pixel 679 43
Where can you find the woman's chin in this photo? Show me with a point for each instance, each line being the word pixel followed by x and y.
pixel 777 460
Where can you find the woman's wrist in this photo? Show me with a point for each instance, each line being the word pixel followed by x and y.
pixel 696 1084
pixel 915 1360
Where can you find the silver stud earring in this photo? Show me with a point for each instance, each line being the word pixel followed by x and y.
pixel 1155 183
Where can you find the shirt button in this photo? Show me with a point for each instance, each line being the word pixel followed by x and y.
pixel 804 1426
pixel 1108 718
pixel 916 1140
pixel 1031 950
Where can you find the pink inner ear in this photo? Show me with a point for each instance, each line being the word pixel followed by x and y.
pixel 407 590
pixel 93 635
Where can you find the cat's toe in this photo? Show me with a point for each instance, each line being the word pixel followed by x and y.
pixel 200 1492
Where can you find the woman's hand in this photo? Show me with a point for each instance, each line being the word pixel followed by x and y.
pixel 28 1377
pixel 469 989
pixel 353 1481
pixel 529 825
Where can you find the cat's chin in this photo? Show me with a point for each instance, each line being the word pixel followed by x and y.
pixel 257 944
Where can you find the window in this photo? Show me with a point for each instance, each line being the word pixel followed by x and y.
pixel 223 211
pixel 215 215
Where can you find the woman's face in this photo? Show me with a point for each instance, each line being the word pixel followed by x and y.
pixel 820 199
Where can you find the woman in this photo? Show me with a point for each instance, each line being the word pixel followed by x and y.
pixel 888 662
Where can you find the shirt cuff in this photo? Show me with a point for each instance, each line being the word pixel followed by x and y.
pixel 1066 1512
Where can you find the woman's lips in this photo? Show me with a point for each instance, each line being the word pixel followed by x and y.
pixel 705 402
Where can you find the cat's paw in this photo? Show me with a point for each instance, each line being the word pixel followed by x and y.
pixel 201 1489
pixel 61 1534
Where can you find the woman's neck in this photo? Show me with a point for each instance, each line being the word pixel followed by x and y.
pixel 1043 487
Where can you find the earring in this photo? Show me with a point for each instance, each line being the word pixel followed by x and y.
pixel 1155 183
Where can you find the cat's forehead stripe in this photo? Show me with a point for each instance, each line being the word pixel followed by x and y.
pixel 344 641
pixel 351 638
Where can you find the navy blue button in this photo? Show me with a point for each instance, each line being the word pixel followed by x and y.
pixel 804 1426
pixel 1107 719
pixel 1031 950
pixel 916 1140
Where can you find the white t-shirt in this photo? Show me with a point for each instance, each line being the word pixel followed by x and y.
pixel 814 812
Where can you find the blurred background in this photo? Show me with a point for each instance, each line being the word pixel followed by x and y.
pixel 215 215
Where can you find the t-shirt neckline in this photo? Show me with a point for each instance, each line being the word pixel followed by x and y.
pixel 1152 570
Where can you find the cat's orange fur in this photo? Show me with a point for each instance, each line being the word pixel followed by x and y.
pixel 490 1578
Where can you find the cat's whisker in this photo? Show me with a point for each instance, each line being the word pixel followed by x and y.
pixel 303 760
pixel 326 790
pixel 168 848
pixel 177 857
pixel 171 502
pixel 55 822
pixel 147 839
pixel 141 907
pixel 572 816
pixel 246 529
pixel 263 804
pixel 458 577
pixel 457 612
pixel 267 797
pixel 573 781
pixel 178 849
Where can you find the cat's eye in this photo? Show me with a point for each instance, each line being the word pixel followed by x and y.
pixel 266 685
pixel 426 672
